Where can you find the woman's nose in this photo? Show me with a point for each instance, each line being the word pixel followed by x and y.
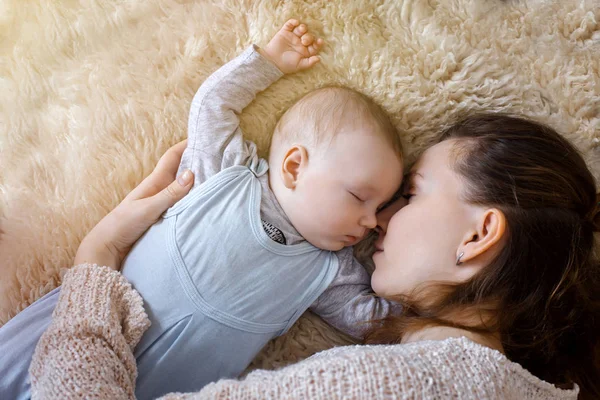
pixel 384 216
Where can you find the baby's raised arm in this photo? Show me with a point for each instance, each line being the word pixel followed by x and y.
pixel 215 140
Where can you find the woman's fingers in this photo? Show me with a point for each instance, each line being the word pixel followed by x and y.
pixel 110 240
pixel 155 205
pixel 162 175
pixel 169 162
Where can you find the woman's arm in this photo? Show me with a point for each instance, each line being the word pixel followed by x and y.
pixel 99 318
pixel 111 239
pixel 87 351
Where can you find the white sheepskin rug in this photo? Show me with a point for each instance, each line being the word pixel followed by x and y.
pixel 93 92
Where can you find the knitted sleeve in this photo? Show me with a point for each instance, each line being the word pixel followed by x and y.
pixel 353 372
pixel 87 351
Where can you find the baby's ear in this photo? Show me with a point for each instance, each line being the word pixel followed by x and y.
pixel 293 161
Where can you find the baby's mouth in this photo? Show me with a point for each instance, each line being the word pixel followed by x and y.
pixel 351 238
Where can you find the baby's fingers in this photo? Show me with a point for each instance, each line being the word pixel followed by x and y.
pixel 300 30
pixel 306 63
pixel 307 39
pixel 314 48
pixel 291 24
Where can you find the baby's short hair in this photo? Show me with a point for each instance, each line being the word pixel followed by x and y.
pixel 321 114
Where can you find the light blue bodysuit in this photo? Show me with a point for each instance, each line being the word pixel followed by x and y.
pixel 223 271
pixel 216 287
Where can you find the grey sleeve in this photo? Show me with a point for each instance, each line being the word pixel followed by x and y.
pixel 215 140
pixel 349 303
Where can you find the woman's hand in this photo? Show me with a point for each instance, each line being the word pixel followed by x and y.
pixel 111 239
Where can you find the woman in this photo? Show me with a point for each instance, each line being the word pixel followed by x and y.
pixel 489 251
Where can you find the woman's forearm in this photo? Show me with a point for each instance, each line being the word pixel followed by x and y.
pixel 87 350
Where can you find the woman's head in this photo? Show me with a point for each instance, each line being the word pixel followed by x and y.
pixel 434 226
pixel 514 203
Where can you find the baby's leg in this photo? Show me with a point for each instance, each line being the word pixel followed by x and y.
pixel 18 338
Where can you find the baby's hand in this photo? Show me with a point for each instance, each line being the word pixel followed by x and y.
pixel 293 49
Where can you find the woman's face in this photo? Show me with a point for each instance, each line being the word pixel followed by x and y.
pixel 420 234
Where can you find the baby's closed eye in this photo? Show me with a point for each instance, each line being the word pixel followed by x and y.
pixel 356 196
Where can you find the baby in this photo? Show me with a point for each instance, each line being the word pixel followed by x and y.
pixel 238 260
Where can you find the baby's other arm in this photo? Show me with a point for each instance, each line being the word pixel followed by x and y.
pixel 215 140
pixel 349 303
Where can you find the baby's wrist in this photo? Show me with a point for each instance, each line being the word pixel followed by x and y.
pixel 268 56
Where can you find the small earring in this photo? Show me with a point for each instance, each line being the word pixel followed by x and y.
pixel 458 262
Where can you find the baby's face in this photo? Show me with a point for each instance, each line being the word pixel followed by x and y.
pixel 343 187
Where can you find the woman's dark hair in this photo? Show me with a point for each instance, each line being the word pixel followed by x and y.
pixel 543 288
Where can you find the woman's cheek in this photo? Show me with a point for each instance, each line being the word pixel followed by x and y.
pixel 376 282
pixel 383 277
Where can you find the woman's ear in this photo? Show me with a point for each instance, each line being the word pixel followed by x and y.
pixel 489 229
pixel 295 158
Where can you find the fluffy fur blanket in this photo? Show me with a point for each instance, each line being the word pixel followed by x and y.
pixel 93 92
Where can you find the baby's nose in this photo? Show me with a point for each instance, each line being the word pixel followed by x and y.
pixel 369 221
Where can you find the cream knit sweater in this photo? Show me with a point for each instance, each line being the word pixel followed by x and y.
pixel 87 353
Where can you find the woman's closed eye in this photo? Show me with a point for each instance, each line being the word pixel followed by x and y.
pixel 408 189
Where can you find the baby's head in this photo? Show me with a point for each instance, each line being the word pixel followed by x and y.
pixel 335 159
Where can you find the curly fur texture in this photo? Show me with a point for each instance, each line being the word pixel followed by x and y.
pixel 93 92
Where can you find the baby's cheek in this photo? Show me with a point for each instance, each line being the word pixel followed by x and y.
pixel 333 216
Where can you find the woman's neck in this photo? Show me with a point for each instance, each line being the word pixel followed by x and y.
pixel 445 332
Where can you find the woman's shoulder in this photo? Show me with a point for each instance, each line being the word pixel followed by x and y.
pixel 454 366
